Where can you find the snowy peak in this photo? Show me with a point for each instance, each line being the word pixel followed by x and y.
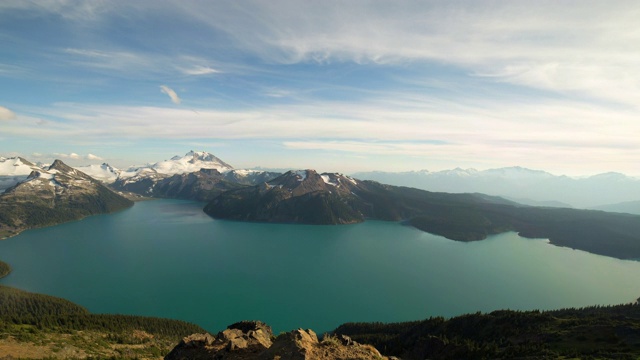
pixel 16 166
pixel 191 162
pixel 516 172
pixel 13 170
pixel 105 172
pixel 299 182
pixel 59 178
pixel 459 172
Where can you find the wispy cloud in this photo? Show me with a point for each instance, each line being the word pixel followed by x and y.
pixel 200 70
pixel 172 94
pixel 6 114
pixel 72 156
pixel 93 157
pixel 68 156
pixel 554 46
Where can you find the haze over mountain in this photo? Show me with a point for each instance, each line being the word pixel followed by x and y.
pixel 533 187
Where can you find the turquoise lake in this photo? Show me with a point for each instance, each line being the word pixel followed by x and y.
pixel 167 258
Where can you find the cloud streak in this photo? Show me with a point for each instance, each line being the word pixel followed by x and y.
pixel 172 94
pixel 555 46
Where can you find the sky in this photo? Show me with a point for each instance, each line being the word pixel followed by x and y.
pixel 331 85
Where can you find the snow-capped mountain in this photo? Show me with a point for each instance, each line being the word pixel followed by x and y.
pixel 105 172
pixel 191 162
pixel 53 195
pixel 13 170
pixel 528 186
pixel 196 175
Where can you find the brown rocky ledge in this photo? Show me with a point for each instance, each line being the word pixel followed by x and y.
pixel 255 340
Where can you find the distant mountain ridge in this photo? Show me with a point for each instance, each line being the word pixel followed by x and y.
pixel 519 183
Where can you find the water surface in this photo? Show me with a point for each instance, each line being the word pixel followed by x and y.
pixel 167 258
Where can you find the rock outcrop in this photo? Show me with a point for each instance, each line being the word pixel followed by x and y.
pixel 255 340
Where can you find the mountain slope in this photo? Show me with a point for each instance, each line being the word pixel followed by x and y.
pixel 305 196
pixel 295 197
pixel 310 198
pixel 53 196
pixel 630 207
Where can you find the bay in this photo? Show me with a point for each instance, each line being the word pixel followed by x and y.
pixel 167 258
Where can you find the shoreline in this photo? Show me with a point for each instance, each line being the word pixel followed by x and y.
pixel 5 269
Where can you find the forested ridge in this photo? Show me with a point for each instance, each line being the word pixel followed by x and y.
pixel 53 323
pixel 592 332
pixel 5 269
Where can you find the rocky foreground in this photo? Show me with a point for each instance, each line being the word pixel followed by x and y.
pixel 255 340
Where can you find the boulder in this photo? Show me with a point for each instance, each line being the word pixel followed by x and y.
pixel 253 340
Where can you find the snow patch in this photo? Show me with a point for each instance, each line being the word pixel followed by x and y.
pixel 301 174
pixel 327 180
pixel 14 167
pixel 104 172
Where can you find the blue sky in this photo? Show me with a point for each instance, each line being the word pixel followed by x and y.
pixel 332 85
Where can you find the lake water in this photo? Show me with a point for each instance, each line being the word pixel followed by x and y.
pixel 167 258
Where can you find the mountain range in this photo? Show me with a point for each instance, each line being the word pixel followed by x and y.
pixel 194 176
pixel 526 186
pixel 52 195
pixel 60 193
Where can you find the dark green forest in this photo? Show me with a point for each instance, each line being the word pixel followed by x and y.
pixel 598 332
pixel 48 313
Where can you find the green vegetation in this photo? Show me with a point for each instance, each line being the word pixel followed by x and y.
pixel 593 332
pixel 43 320
pixel 5 269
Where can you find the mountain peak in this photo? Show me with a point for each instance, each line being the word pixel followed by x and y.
pixel 191 162
pixel 60 166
